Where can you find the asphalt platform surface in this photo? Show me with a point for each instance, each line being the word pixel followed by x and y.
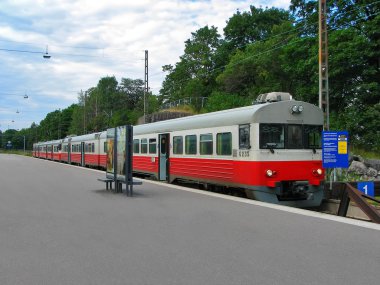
pixel 58 225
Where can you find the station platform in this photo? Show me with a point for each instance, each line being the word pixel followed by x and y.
pixel 59 225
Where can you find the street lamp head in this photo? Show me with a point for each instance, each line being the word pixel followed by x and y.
pixel 47 55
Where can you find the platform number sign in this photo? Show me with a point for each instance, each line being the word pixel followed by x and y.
pixel 367 188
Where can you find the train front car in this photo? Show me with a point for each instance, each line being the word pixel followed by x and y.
pixel 286 154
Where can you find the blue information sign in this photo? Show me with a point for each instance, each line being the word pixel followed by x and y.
pixel 335 149
pixel 367 188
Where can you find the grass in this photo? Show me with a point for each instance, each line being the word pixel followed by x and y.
pixel 373 202
pixel 15 151
pixel 365 154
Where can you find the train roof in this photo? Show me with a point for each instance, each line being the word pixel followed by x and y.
pixel 276 112
pixel 49 142
pixel 87 137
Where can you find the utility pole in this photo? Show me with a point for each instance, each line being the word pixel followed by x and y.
pixel 323 64
pixel 146 88
pixel 84 111
pixel 59 123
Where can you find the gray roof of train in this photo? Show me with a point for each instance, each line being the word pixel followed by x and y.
pixel 277 112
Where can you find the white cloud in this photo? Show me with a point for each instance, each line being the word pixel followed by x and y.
pixel 92 39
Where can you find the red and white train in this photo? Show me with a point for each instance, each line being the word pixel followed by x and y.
pixel 270 151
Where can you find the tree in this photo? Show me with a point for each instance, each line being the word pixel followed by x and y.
pixel 260 67
pixel 194 75
pixel 221 101
pixel 132 92
pixel 252 26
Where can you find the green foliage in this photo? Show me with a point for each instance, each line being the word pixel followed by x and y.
pixel 254 25
pixel 109 104
pixel 221 101
pixel 194 76
pixel 365 153
pixel 362 124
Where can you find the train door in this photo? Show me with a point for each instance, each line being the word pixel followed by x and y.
pixel 82 152
pixel 163 156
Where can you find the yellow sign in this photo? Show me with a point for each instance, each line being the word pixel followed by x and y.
pixel 342 147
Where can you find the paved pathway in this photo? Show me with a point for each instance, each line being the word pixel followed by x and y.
pixel 59 226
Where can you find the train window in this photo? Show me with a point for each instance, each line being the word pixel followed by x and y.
pixel 76 148
pixel 163 145
pixel 272 136
pixel 205 143
pixel 312 136
pixel 152 145
pixel 224 143
pixel 136 146
pixel 178 145
pixel 244 141
pixel 93 147
pixel 144 146
pixel 105 147
pixel 294 137
pixel 191 144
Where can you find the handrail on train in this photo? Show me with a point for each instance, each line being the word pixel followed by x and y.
pixel 351 193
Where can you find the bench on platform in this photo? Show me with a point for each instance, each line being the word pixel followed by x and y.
pixel 108 182
pixel 118 184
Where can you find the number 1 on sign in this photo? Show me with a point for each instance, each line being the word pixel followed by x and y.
pixel 365 188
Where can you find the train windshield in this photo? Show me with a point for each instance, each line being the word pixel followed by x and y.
pixel 272 136
pixel 284 136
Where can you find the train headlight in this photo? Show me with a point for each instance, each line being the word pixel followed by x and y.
pixel 296 109
pixel 270 173
pixel 317 172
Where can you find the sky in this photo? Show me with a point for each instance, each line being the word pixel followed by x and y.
pixel 88 40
